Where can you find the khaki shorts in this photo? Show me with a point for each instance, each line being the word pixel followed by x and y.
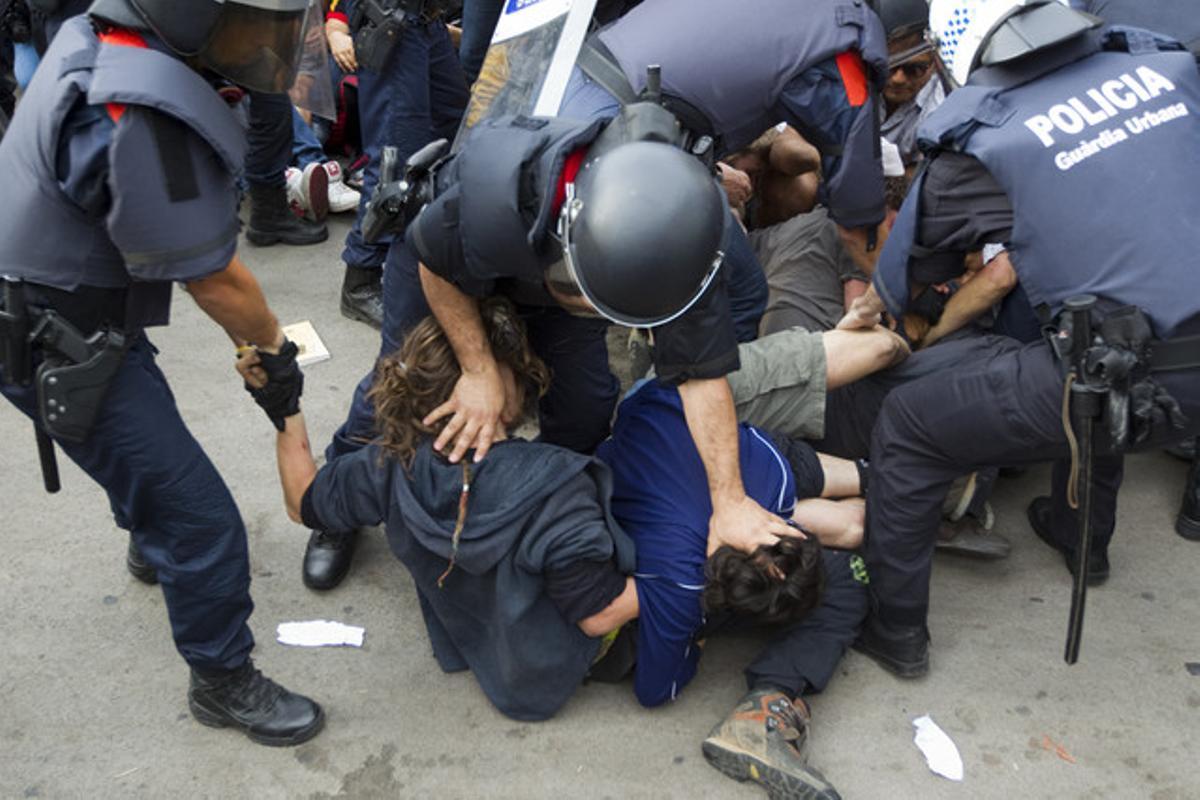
pixel 780 386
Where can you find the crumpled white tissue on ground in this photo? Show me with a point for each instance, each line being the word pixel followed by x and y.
pixel 940 752
pixel 320 633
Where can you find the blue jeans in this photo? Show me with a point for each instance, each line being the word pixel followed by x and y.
pixel 478 23
pixel 421 97
pixel 306 147
pixel 168 495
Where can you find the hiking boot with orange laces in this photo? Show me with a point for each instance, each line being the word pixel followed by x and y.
pixel 764 740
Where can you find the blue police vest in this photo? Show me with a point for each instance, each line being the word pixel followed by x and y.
pixel 731 61
pixel 508 172
pixel 49 240
pixel 1098 160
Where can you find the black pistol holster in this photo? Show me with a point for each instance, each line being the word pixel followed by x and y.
pixel 1118 363
pixel 75 371
pixel 377 26
pixel 399 198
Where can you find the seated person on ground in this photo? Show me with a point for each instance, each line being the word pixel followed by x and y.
pixel 811 277
pixel 517 561
pixel 808 596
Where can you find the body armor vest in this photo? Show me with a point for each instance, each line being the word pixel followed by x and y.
pixel 48 239
pixel 731 61
pixel 1096 160
pixel 508 172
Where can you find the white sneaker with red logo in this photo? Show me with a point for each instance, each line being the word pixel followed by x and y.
pixel 341 197
pixel 308 192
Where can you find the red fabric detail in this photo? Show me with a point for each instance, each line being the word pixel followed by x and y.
pixel 854 77
pixel 570 170
pixel 120 37
pixel 338 15
pixel 123 38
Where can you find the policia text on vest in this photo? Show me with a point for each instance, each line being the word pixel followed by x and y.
pixel 1125 92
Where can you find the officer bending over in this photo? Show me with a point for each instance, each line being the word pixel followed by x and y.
pixel 821 77
pixel 1054 108
pixel 124 151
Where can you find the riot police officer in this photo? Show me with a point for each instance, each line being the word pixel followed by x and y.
pixel 411 89
pixel 1180 20
pixel 125 152
pixel 1053 108
pixel 727 75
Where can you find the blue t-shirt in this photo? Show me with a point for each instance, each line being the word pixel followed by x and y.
pixel 661 499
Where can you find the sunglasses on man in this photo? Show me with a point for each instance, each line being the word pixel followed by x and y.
pixel 914 70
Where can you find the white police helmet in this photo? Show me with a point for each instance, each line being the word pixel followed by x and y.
pixel 971 33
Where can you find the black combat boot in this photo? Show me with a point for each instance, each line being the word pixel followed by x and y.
pixel 1187 524
pixel 135 562
pixel 327 558
pixel 1040 513
pixel 272 220
pixel 245 699
pixel 902 650
pixel 362 295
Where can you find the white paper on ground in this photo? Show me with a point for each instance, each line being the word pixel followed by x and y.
pixel 940 752
pixel 320 633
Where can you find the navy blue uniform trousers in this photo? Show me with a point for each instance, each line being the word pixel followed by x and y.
pixel 999 405
pixel 164 490
pixel 420 97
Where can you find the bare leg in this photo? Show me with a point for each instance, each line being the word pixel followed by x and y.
pixel 850 355
pixel 841 476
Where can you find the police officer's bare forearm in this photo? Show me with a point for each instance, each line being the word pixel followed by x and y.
pixel 737 520
pixel 234 300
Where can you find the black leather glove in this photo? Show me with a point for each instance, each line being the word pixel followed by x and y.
pixel 280 398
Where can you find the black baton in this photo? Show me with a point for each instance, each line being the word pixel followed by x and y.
pixel 45 446
pixel 1085 407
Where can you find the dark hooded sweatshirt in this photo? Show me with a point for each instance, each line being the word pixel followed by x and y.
pixel 534 511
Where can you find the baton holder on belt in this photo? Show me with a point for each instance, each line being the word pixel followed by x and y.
pixel 16 357
pixel 1086 402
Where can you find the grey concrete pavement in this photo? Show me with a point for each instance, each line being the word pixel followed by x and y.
pixel 92 693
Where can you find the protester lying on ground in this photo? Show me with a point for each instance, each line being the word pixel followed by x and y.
pixel 517 561
pixel 809 597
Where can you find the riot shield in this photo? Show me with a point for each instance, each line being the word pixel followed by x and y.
pixel 529 61
pixel 313 88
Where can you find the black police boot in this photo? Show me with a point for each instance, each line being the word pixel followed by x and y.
pixel 1040 513
pixel 272 220
pixel 137 566
pixel 902 650
pixel 327 558
pixel 245 699
pixel 1187 524
pixel 362 295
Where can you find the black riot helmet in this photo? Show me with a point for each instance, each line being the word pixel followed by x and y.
pixel 256 44
pixel 641 231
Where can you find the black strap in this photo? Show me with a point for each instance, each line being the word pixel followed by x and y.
pixel 1173 354
pixel 170 136
pixel 599 64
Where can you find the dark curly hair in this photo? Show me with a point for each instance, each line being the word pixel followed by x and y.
pixel 420 376
pixel 777 583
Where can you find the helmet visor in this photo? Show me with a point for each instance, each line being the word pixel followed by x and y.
pixel 258 44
